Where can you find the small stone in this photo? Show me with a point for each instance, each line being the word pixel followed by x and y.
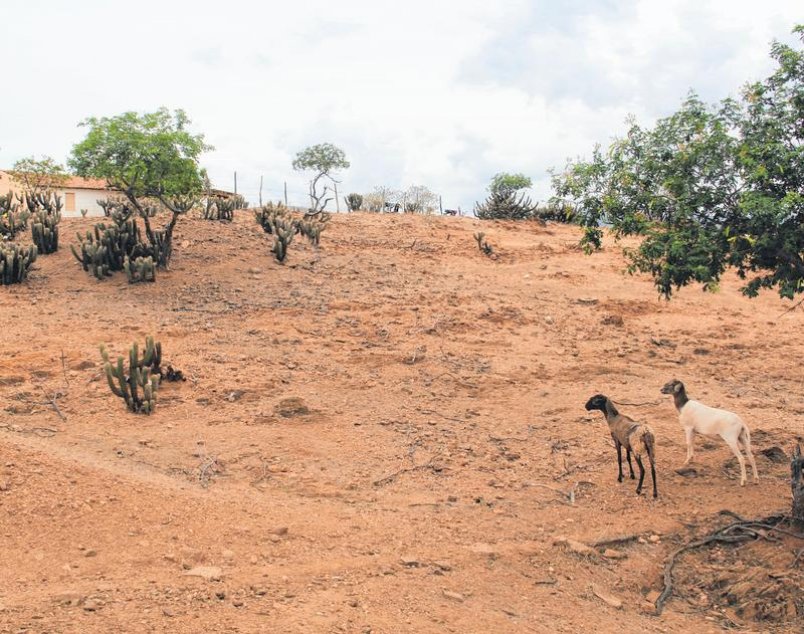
pixel 653 596
pixel 4 485
pixel 443 565
pixel 290 407
pixel 353 603
pixel 69 598
pixel 654 539
pixel 228 554
pixel 91 552
pixel 275 538
pixel 237 603
pixel 455 596
pixel 90 605
pixel 168 612
pixel 608 599
pixel 611 553
pixel 410 562
pixel 279 530
pixel 221 594
pixel 209 573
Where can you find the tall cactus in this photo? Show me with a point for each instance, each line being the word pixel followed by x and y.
pixel 353 202
pixel 284 230
pixel 138 387
pixel 45 231
pixel 15 262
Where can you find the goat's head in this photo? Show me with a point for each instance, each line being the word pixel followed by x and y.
pixel 598 401
pixel 673 387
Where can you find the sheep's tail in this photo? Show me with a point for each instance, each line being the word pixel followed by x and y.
pixel 745 436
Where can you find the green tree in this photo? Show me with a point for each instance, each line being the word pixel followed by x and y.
pixel 710 187
pixel 323 160
pixel 506 183
pixel 39 175
pixel 146 156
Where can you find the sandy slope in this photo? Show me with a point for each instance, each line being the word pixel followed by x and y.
pixel 421 490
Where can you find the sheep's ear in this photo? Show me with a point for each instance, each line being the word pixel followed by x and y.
pixel 677 388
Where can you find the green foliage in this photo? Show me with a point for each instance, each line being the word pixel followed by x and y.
pixel 146 156
pixel 505 205
pixel 15 262
pixel 505 183
pixel 140 270
pixel 353 202
pixel 709 187
pixel 323 160
pixel 138 387
pixel 38 176
pixel 45 231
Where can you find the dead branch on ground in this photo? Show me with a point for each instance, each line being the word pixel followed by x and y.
pixel 737 532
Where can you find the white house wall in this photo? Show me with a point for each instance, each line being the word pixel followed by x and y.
pixel 85 199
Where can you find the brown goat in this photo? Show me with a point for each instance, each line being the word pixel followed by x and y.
pixel 637 438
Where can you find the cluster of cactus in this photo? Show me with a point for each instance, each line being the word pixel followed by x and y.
pixel 120 209
pixel 354 202
pixel 142 269
pixel 45 231
pixel 221 208
pixel 482 244
pixel 312 228
pixel 42 201
pixel 106 248
pixel 138 388
pixel 268 215
pixel 239 202
pixel 12 218
pixel 15 262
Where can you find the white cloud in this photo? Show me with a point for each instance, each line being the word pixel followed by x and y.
pixel 439 93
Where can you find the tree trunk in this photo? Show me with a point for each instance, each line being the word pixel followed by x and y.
pixel 797 484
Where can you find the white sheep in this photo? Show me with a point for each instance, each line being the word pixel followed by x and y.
pixel 709 421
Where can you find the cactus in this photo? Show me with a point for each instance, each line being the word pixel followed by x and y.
pixel 105 249
pixel 140 270
pixel 311 229
pixel 12 219
pixel 353 202
pixel 284 230
pixel 268 214
pixel 221 208
pixel 15 262
pixel 139 387
pixel 45 231
pixel 484 246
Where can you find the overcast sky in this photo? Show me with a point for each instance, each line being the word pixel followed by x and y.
pixel 430 92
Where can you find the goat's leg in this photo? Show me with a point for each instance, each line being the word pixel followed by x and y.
pixel 690 435
pixel 641 474
pixel 628 457
pixel 745 438
pixel 619 460
pixel 735 447
pixel 653 473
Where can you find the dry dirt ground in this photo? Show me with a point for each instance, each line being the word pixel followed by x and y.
pixel 381 436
